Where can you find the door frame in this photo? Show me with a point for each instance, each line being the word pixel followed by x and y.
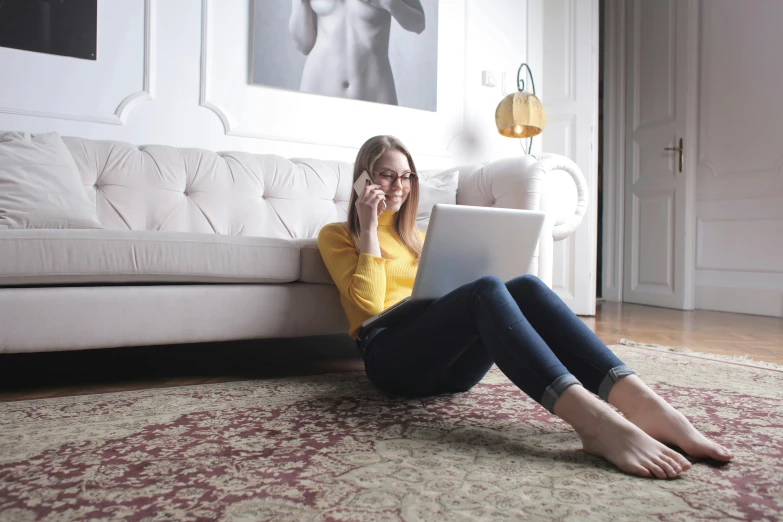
pixel 613 175
pixel 613 178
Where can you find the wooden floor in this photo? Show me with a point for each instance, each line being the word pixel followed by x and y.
pixel 758 337
pixel 57 374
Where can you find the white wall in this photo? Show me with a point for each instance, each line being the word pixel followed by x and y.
pixel 175 72
pixel 739 236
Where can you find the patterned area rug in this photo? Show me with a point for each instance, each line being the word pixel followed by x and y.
pixel 332 448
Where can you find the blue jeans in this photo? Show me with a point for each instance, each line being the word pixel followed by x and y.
pixel 521 325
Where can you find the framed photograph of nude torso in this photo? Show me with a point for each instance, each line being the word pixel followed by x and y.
pixel 383 51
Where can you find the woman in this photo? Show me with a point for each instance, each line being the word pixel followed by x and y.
pixel 347 45
pixel 521 325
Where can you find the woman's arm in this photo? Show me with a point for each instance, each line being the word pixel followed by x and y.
pixel 360 278
pixel 302 25
pixel 369 244
pixel 408 13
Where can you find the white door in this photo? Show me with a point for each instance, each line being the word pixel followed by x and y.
pixel 570 95
pixel 661 80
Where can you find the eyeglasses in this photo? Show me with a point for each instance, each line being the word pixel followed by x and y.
pixel 389 177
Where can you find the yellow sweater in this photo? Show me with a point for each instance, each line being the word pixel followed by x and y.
pixel 368 284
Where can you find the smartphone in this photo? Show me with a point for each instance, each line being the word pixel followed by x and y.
pixel 360 183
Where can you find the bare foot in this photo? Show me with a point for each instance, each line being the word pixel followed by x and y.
pixel 632 450
pixel 606 434
pixel 647 410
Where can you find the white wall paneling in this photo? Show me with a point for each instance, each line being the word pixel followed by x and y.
pixel 561 134
pixel 744 235
pixel 563 273
pixel 739 261
pixel 739 255
pixel 147 91
pixel 736 133
pixel 570 94
pixel 742 300
pixel 104 90
pixel 191 57
pixel 750 228
pixel 560 19
pixel 561 137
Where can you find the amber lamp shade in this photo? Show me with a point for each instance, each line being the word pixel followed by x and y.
pixel 520 115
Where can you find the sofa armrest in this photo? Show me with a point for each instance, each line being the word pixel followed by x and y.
pixel 521 182
pixel 506 183
pixel 532 183
pixel 567 221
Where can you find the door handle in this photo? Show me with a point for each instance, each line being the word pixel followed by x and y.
pixel 679 149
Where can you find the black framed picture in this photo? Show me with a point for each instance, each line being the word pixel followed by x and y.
pixel 61 27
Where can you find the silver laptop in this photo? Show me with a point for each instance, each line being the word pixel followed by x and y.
pixel 463 244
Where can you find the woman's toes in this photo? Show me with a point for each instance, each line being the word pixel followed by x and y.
pixel 673 464
pixel 665 424
pixel 668 471
pixel 671 469
pixel 725 453
pixel 678 459
pixel 656 470
pixel 702 447
pixel 638 469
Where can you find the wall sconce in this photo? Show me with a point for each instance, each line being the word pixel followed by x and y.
pixel 521 114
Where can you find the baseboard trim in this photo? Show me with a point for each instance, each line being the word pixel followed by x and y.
pixel 754 301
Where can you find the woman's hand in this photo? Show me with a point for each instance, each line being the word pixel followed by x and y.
pixel 408 13
pixel 370 205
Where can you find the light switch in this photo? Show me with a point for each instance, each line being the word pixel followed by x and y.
pixel 489 78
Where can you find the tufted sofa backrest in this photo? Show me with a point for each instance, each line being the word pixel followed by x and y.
pixel 159 187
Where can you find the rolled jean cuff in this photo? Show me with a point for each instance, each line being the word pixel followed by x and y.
pixel 555 390
pixel 611 378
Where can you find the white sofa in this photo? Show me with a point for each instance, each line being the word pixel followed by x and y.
pixel 201 246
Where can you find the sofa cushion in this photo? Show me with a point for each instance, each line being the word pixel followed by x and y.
pixel 171 189
pixel 155 187
pixel 47 257
pixel 312 268
pixel 436 186
pixel 40 186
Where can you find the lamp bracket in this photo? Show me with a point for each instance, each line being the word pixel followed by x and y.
pixel 521 87
pixel 521 80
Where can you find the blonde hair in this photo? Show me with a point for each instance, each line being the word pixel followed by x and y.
pixel 405 222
